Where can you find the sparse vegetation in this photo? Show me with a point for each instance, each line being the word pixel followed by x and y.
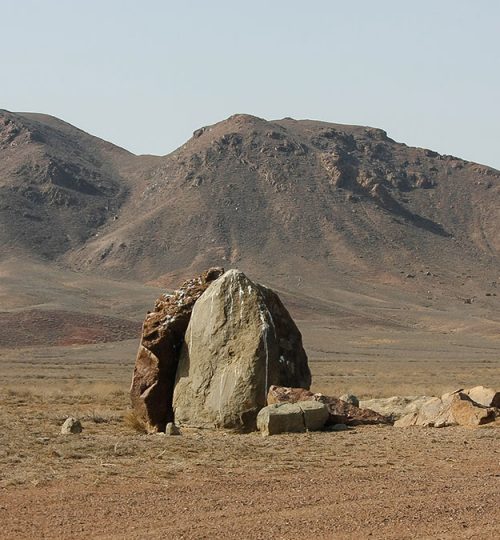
pixel 135 423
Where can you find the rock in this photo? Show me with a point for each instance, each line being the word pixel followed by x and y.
pixel 280 418
pixel 158 356
pixel 452 409
pixel 340 412
pixel 292 417
pixel 172 429
pixel 350 398
pixel 315 414
pixel 284 394
pixel 240 341
pixel 484 396
pixel 395 407
pixel 71 426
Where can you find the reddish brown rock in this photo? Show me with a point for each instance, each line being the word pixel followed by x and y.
pixel 158 356
pixel 340 412
pixel 285 394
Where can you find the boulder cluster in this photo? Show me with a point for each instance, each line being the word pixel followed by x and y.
pixel 473 407
pixel 210 351
pixel 223 352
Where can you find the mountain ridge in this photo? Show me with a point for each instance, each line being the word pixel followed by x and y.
pixel 272 197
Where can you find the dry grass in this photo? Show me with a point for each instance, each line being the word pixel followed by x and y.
pixel 132 421
pixel 40 387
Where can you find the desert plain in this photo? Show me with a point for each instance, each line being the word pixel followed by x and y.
pixel 387 258
pixel 367 481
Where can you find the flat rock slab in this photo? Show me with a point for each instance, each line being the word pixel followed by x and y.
pixel 292 417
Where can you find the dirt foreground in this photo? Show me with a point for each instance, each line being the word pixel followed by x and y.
pixel 379 482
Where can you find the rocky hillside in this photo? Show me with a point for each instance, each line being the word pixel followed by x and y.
pixel 58 185
pixel 285 200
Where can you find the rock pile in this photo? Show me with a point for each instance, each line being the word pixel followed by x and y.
pixel 455 408
pixel 339 411
pixel 223 352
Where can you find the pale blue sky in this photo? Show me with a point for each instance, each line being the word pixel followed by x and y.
pixel 145 74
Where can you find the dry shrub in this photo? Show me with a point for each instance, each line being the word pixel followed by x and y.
pixel 132 421
pixel 101 417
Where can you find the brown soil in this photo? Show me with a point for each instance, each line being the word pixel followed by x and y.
pixel 40 327
pixel 110 482
pixel 371 482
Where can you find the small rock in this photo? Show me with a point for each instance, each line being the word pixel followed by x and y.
pixel 488 397
pixel 71 425
pixel 172 429
pixel 395 406
pixel 350 398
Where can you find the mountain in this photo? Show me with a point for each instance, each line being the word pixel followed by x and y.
pixel 288 201
pixel 58 185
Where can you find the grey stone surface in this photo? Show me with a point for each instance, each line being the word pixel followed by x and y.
pixel 292 417
pixel 239 342
pixel 172 429
pixel 350 398
pixel 281 418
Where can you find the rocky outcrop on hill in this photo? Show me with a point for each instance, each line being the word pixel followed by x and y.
pixel 340 412
pixel 239 342
pixel 158 356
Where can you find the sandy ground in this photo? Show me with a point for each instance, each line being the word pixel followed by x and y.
pixel 379 482
pixel 369 482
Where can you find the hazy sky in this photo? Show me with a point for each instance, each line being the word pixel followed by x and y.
pixel 145 74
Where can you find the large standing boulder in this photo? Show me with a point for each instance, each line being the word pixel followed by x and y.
pixel 340 412
pixel 239 342
pixel 158 356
